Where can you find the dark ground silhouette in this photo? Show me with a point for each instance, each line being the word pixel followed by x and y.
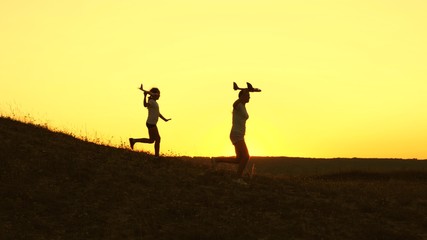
pixel 54 186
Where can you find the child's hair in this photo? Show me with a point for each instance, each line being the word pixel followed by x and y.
pixel 155 90
pixel 242 91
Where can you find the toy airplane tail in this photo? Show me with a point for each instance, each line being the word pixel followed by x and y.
pixel 235 87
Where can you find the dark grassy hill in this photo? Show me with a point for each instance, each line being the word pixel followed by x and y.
pixel 54 186
pixel 291 166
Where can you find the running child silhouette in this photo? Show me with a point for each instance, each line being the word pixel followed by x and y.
pixel 237 133
pixel 153 117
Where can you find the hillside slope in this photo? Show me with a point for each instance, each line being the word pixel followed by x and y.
pixel 54 186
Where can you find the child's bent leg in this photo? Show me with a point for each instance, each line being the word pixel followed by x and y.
pixel 233 160
pixel 142 140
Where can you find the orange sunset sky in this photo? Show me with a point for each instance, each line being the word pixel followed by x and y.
pixel 339 78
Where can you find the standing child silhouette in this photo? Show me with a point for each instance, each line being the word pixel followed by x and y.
pixel 153 117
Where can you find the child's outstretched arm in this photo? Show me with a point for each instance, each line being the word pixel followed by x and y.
pixel 164 119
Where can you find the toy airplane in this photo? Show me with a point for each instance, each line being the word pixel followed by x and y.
pixel 250 88
pixel 145 91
